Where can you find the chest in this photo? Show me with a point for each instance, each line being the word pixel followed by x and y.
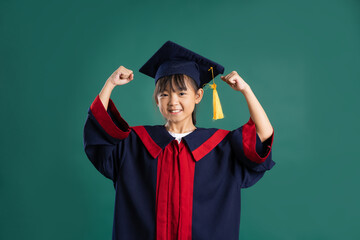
pixel 213 171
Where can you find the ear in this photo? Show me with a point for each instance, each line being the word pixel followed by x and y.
pixel 199 95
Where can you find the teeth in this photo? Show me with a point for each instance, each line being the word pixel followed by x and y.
pixel 175 111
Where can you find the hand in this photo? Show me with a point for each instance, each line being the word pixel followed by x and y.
pixel 235 81
pixel 121 76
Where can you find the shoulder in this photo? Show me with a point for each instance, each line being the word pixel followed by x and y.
pixel 211 131
pixel 207 132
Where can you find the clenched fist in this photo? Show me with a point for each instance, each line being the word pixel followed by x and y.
pixel 235 81
pixel 121 76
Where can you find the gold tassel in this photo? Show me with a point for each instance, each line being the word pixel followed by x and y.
pixel 218 113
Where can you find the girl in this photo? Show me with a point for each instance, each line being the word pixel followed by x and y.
pixel 177 181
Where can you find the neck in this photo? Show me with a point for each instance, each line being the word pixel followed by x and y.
pixel 183 127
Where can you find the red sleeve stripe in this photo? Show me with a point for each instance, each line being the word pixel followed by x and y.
pixel 209 144
pixel 103 118
pixel 249 143
pixel 149 143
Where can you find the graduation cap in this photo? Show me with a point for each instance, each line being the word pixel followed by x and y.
pixel 172 58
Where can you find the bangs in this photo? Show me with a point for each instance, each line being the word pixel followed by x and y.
pixel 176 82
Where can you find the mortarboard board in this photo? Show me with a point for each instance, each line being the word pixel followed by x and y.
pixel 172 58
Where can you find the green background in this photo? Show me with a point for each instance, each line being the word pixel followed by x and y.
pixel 301 58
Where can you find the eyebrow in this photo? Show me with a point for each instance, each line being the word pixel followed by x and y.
pixel 180 90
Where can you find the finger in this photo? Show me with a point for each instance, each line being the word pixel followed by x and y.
pixel 224 77
pixel 124 70
pixel 226 80
pixel 229 79
pixel 232 74
pixel 127 73
pixel 228 75
pixel 124 76
pixel 232 79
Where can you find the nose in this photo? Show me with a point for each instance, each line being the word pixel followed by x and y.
pixel 174 100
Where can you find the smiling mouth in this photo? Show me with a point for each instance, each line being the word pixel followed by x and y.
pixel 175 111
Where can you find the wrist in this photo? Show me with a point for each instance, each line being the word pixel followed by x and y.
pixel 247 90
pixel 110 84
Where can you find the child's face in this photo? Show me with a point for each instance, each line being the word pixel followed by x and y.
pixel 177 106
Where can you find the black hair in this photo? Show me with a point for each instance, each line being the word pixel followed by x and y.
pixel 177 80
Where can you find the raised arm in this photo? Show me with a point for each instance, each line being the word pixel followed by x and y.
pixel 120 77
pixel 105 131
pixel 257 113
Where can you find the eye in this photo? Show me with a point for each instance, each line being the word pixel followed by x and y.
pixel 163 94
pixel 182 93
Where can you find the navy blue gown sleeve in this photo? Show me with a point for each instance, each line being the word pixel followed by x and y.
pixel 105 134
pixel 253 156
